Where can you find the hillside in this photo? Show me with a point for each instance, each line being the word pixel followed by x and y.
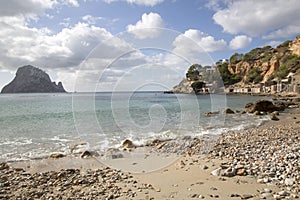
pixel 265 65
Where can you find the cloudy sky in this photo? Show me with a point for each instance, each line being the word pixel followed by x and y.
pixel 108 45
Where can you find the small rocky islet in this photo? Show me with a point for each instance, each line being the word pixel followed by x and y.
pixel 30 79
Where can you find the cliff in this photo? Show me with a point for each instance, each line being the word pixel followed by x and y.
pixel 183 87
pixel 30 79
pixel 261 65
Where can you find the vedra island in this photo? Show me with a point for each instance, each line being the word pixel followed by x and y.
pixel 30 79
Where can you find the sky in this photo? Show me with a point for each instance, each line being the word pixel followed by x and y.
pixel 121 45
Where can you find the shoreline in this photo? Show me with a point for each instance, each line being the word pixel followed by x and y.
pixel 194 175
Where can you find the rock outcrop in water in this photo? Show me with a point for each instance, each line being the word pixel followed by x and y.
pixel 30 79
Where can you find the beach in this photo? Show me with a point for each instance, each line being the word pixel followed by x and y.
pixel 255 163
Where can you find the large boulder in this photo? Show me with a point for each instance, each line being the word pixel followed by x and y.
pixel 262 106
pixel 30 79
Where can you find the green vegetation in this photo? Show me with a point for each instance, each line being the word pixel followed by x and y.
pixel 289 63
pixel 198 85
pixel 290 60
pixel 267 56
pixel 281 73
pixel 255 54
pixel 228 78
pixel 254 76
pixel 235 58
pixel 284 44
pixel 193 72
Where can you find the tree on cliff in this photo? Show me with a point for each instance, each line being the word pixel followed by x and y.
pixel 193 72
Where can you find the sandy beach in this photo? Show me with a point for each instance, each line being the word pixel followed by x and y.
pixel 256 163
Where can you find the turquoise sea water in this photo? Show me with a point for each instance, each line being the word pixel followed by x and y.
pixel 34 125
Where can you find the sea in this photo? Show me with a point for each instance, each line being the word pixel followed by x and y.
pixel 33 126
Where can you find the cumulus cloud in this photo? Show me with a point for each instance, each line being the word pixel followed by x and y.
pixel 240 42
pixel 31 8
pixel 259 17
pixel 138 2
pixel 148 27
pixel 195 40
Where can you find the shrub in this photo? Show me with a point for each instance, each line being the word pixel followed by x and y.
pixel 254 75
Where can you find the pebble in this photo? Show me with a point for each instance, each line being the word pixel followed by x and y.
pixel 216 172
pixel 103 183
pixel 246 196
pixel 271 154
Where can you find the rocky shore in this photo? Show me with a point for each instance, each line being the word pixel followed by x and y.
pixel 256 163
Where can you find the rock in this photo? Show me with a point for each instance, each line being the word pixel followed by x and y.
pixel 262 106
pixel 183 87
pixel 267 190
pixel 86 154
pixel 275 113
pixel 205 167
pixel 216 172
pixel 266 196
pixel 283 193
pixel 289 181
pixel 4 166
pixel 229 172
pixel 274 117
pixel 228 111
pixel 246 196
pixel 30 79
pixel 260 180
pixel 241 172
pixel 296 100
pixel 128 144
pixel 210 114
pixel 257 113
pixel 56 155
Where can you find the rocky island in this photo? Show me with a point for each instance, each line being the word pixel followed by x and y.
pixel 30 79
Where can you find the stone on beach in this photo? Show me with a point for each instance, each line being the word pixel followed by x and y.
pixel 128 144
pixel 262 106
pixel 228 111
pixel 57 155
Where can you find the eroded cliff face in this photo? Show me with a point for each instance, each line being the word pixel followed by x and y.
pixel 30 79
pixel 268 61
pixel 295 46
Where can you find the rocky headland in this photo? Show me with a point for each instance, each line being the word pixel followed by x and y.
pixel 263 70
pixel 30 79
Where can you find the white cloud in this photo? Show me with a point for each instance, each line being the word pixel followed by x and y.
pixel 195 40
pixel 138 2
pixel 148 27
pixel 258 17
pixel 90 19
pixel 284 32
pixel 240 42
pixel 65 22
pixel 71 2
pixel 21 44
pixel 31 8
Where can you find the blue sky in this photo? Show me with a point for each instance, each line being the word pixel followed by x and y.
pixel 61 37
